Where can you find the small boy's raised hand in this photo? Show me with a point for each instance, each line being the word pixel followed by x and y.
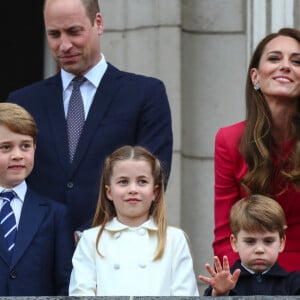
pixel 221 281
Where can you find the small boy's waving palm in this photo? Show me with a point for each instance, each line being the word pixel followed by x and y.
pixel 221 281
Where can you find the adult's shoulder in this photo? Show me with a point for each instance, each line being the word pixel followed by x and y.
pixel 230 134
pixel 39 84
pixel 132 78
pixel 36 91
pixel 233 129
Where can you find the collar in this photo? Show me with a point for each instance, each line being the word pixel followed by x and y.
pixel 115 225
pixel 19 189
pixel 251 271
pixel 276 270
pixel 93 76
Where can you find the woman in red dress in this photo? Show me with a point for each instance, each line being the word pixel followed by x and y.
pixel 261 155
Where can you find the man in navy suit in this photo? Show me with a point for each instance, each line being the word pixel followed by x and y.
pixel 36 241
pixel 120 108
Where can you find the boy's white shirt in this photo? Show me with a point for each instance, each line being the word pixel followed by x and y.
pixel 16 203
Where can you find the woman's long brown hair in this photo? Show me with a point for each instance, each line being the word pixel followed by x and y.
pixel 257 141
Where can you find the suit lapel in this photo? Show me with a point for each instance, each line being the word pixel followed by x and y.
pixel 56 116
pixel 104 96
pixel 54 106
pixel 33 212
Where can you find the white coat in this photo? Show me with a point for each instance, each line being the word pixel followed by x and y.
pixel 127 267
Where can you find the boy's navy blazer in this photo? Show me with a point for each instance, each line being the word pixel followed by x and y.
pixel 127 109
pixel 41 262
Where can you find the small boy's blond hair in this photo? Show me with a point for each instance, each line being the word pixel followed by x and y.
pixel 257 213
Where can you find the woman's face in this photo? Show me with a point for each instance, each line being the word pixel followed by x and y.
pixel 278 72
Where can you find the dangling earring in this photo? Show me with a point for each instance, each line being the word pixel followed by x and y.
pixel 257 86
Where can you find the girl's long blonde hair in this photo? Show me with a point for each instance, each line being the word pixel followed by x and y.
pixel 105 210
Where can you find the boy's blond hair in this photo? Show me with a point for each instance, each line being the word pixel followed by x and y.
pixel 257 213
pixel 18 120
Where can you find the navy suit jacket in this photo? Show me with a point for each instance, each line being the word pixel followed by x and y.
pixel 41 262
pixel 127 109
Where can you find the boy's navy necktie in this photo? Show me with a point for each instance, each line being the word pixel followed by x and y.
pixel 7 219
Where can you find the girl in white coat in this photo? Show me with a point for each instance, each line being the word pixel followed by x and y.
pixel 130 250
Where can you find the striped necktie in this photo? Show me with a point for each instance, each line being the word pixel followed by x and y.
pixel 7 219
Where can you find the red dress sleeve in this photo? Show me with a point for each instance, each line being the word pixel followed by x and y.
pixel 230 167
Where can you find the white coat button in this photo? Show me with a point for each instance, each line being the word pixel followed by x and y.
pixel 142 265
pixel 117 235
pixel 116 266
pixel 141 231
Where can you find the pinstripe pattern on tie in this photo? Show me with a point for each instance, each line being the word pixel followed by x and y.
pixel 7 220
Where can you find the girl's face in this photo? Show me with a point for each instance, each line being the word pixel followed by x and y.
pixel 258 251
pixel 132 191
pixel 279 69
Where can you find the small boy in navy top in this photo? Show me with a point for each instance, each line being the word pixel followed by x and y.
pixel 258 227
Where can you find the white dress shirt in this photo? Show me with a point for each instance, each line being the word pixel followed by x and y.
pixel 17 202
pixel 87 89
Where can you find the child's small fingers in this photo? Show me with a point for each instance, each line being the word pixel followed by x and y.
pixel 217 263
pixel 210 270
pixel 204 279
pixel 208 267
pixel 236 274
pixel 225 263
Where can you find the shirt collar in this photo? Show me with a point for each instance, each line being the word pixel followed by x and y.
pixel 19 189
pixel 115 225
pixel 93 76
pixel 252 272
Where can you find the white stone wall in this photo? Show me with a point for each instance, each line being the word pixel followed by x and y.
pixel 144 36
pixel 213 79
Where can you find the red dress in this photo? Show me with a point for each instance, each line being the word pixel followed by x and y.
pixel 230 167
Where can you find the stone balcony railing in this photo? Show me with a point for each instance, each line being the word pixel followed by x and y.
pixel 157 298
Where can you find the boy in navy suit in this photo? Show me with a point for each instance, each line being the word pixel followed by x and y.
pixel 36 241
pixel 258 227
